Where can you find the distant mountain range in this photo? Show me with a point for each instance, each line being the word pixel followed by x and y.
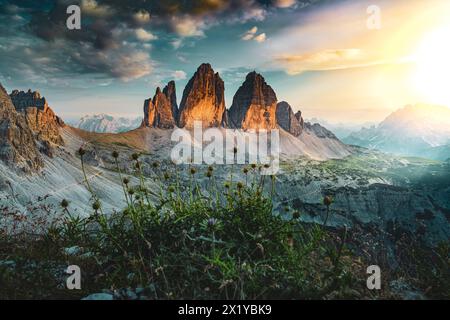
pixel 103 123
pixel 416 130
pixel 341 130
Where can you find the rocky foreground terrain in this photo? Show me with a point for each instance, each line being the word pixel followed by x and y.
pixel 383 200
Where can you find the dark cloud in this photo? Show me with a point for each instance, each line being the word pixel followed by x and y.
pixel 114 33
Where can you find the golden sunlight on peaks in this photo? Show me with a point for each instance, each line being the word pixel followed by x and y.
pixel 432 58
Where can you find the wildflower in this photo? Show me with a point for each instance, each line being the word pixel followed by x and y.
pixel 155 164
pixel 135 156
pixel 171 189
pixel 193 171
pixel 96 205
pixel 267 166
pixel 235 150
pixel 126 181
pixel 64 203
pixel 166 176
pixel 240 185
pixel 245 170
pixel 327 200
pixel 138 165
pixel 212 222
pixel 227 185
pixel 115 154
pixel 208 174
pixel 286 208
pixel 81 152
pixel 295 215
pixel 210 168
pixel 131 191
pixel 253 165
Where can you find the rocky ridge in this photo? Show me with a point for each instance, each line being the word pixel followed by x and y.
pixel 203 99
pixel 161 111
pixel 254 105
pixel 40 117
pixel 287 120
pixel 18 147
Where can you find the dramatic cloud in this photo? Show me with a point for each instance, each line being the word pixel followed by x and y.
pixel 141 17
pixel 144 35
pixel 251 35
pixel 187 26
pixel 285 3
pixel 179 75
pixel 92 8
pixel 114 40
pixel 261 37
pixel 322 60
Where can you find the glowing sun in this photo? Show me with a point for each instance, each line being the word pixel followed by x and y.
pixel 432 76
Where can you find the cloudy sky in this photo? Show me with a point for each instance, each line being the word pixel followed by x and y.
pixel 319 55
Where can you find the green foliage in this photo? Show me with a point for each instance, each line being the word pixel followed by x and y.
pixel 225 243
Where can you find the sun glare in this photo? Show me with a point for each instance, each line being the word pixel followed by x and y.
pixel 431 78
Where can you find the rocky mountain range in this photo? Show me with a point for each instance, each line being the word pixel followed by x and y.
pixel 416 130
pixel 255 106
pixel 103 123
pixel 28 127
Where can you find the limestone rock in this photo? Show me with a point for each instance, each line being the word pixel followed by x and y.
pixel 254 105
pixel 171 93
pixel 203 99
pixel 299 117
pixel 40 117
pixel 160 112
pixel 319 131
pixel 287 120
pixel 17 145
pixel 23 100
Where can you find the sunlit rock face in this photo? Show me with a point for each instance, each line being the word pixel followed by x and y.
pixel 203 99
pixel 171 93
pixel 254 105
pixel 160 112
pixel 287 120
pixel 17 144
pixel 40 117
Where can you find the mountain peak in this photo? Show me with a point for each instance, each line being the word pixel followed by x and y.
pixel 40 117
pixel 203 99
pixel 17 144
pixel 413 130
pixel 160 112
pixel 254 104
pixel 287 120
